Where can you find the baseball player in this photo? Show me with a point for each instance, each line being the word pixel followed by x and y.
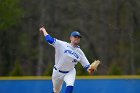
pixel 67 55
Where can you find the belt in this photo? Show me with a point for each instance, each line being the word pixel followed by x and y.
pixel 61 70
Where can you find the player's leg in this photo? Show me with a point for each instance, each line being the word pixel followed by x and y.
pixel 57 85
pixel 70 79
pixel 57 80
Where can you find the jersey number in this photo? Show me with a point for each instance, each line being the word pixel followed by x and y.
pixel 74 60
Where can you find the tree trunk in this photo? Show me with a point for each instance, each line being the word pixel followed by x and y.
pixel 40 57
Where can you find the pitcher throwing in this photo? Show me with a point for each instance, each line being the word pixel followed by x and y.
pixel 67 55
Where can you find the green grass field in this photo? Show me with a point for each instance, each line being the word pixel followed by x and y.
pixel 78 77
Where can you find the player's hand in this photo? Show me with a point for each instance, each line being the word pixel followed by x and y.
pixel 43 31
pixel 90 71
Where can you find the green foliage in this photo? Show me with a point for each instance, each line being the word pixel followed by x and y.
pixel 115 69
pixel 10 13
pixel 138 72
pixel 17 71
pixel 108 28
pixel 48 71
pixel 80 70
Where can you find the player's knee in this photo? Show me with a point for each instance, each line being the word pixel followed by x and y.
pixel 69 83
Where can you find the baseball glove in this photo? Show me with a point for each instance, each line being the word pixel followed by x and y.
pixel 93 66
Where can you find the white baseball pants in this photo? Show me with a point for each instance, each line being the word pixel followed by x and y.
pixel 58 78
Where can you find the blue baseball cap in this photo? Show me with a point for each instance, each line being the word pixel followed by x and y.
pixel 76 33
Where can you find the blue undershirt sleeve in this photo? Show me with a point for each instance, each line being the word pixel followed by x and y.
pixel 86 67
pixel 49 39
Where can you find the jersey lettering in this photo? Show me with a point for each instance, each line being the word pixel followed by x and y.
pixel 72 53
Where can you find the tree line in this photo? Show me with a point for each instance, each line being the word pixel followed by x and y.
pixel 110 31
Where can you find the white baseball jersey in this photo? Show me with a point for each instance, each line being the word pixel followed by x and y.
pixel 67 56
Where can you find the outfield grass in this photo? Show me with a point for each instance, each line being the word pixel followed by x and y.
pixel 78 77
